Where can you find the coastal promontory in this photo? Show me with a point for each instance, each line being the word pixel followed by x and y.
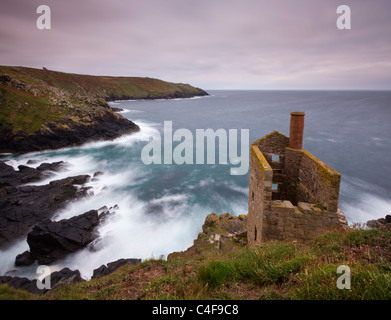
pixel 43 109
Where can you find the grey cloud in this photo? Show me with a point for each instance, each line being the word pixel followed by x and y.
pixel 228 44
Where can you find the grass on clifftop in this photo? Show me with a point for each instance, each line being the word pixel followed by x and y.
pixel 275 270
pixel 106 87
pixel 31 98
pixel 21 111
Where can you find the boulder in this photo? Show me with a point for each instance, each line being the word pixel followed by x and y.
pixel 55 166
pixel 24 259
pixel 64 277
pixel 24 206
pixel 52 240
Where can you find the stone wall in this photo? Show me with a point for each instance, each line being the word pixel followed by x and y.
pixel 318 181
pixel 273 148
pixel 301 223
pixel 260 194
pixel 292 194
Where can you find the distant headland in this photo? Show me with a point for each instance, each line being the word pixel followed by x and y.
pixel 43 109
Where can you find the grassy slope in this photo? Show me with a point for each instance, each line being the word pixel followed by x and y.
pixel 102 86
pixel 50 96
pixel 275 270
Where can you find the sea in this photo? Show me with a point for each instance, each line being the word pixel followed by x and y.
pixel 161 207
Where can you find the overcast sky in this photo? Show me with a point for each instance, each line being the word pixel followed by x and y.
pixel 212 44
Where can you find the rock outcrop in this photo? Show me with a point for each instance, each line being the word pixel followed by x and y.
pixel 52 240
pixel 381 224
pixel 58 278
pixel 43 109
pixel 221 233
pixel 21 206
pixel 104 270
pixel 66 133
pixel 10 177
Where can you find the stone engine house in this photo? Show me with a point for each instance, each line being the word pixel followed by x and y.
pixel 293 196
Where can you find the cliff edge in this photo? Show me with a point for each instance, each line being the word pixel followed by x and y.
pixel 42 109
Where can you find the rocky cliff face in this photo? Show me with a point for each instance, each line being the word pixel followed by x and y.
pixel 43 109
pixel 219 233
pixel 35 115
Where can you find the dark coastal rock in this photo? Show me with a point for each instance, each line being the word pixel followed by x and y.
pixel 117 109
pixel 52 240
pixel 58 278
pixel 54 166
pixel 64 277
pixel 97 174
pixel 76 109
pixel 104 270
pixel 26 174
pixel 105 213
pixel 107 126
pixel 21 283
pixel 24 259
pixel 24 206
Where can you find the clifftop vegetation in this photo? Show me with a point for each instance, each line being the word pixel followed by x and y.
pixel 32 97
pixel 221 266
pixel 38 106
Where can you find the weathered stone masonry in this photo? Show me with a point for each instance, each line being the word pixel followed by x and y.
pixel 293 196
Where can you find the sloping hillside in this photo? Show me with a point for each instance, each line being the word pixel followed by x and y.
pixel 43 109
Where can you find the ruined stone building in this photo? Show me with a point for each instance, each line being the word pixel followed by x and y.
pixel 293 196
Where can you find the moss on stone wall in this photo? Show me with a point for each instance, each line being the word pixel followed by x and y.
pixel 328 174
pixel 264 166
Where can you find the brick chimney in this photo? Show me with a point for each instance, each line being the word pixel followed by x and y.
pixel 296 130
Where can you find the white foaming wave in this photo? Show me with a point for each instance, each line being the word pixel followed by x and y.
pixel 121 101
pixel 75 166
pixel 7 257
pixel 130 234
pixel 368 207
pixel 355 185
pixel 244 190
pixel 105 191
pixel 146 129
pixel 239 208
pixel 135 111
pixel 206 182
pixel 313 139
pixel 171 206
pixel 366 204
pixel 170 198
